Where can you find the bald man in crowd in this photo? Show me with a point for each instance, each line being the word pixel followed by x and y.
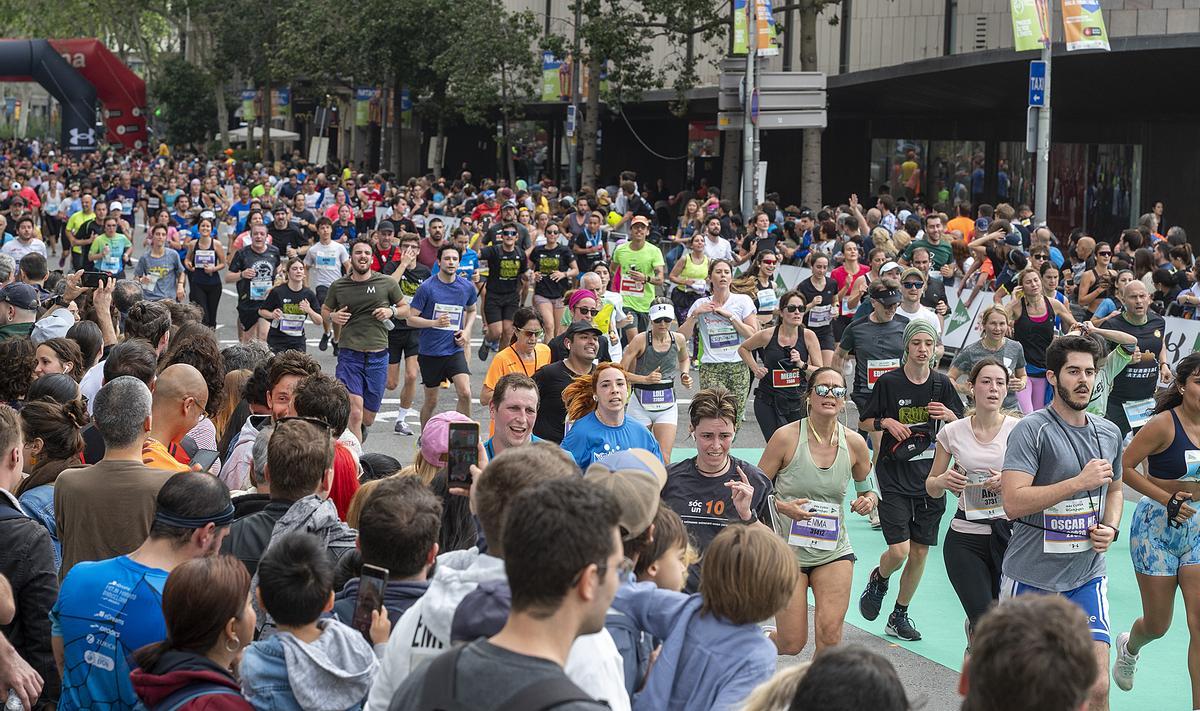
pixel 180 396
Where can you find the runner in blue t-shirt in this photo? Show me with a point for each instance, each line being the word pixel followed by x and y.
pixel 446 307
pixel 603 430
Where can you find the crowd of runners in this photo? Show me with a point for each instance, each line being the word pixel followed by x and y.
pixel 187 526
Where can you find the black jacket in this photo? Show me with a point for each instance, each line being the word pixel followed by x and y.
pixel 248 537
pixel 27 561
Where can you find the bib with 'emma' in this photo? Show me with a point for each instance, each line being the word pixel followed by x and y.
pixel 821 531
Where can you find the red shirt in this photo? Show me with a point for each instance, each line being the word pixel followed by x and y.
pixel 845 280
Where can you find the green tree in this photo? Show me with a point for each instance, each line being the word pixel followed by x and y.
pixel 184 93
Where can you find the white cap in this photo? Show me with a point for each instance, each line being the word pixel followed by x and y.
pixel 208 215
pixel 890 266
pixel 658 311
pixel 116 205
pixel 16 186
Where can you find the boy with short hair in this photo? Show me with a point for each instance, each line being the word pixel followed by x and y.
pixel 310 662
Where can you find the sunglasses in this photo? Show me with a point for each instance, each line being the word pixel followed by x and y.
pixel 533 334
pixel 665 319
pixel 793 308
pixel 913 284
pixel 769 262
pixel 508 234
pixel 1039 256
pixel 838 391
pixel 587 312
pixel 1103 254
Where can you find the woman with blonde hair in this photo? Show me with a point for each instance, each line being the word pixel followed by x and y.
pixel 596 409
pixel 1033 313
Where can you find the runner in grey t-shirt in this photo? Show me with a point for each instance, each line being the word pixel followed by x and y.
pixel 1010 353
pixel 1060 468
pixel 876 341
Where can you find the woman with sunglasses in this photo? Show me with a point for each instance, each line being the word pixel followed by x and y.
pixel 788 352
pixel 979 533
pixel 651 361
pixel 724 320
pixel 759 285
pixel 820 298
pixel 553 267
pixel 811 462
pixel 1095 282
pixel 1111 303
pixel 525 354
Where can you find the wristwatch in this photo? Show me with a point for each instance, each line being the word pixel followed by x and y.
pixel 879 424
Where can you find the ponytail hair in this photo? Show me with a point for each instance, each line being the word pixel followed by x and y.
pixel 1172 397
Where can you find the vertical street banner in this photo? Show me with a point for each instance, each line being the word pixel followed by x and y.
pixel 281 103
pixel 764 25
pixel 1031 24
pixel 406 108
pixel 1083 25
pixel 741 41
pixel 249 97
pixel 551 89
pixel 362 106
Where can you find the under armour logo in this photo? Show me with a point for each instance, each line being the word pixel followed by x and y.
pixel 88 138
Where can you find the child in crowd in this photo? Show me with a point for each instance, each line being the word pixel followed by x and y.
pixel 665 561
pixel 310 662
pixel 714 652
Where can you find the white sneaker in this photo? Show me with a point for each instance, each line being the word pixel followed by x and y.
pixel 1125 665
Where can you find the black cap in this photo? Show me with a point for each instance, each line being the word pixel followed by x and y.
pixel 885 294
pixel 386 226
pixel 582 326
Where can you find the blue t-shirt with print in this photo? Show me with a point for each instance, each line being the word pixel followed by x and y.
pixel 435 297
pixel 590 440
pixel 105 611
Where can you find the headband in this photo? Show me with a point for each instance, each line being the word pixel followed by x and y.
pixel 221 518
pixel 580 295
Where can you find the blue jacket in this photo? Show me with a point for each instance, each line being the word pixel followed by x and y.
pixel 705 662
pixel 38 502
pixel 398 596
pixel 333 673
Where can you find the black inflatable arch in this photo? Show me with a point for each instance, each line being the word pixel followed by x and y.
pixel 37 59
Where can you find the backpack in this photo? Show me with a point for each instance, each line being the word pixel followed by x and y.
pixel 438 690
pixel 185 694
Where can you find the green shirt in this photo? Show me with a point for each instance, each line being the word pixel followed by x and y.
pixel 638 296
pixel 940 254
pixel 77 221
pixel 363 332
pixel 1113 365
pixel 117 246
pixel 16 330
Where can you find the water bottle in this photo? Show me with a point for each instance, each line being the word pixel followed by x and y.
pixel 14 702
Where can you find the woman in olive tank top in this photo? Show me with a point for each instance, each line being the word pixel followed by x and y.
pixel 811 462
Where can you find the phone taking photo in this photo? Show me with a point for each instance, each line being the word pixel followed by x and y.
pixel 462 453
pixel 91 280
pixel 371 583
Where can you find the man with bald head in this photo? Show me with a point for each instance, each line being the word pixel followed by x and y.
pixel 180 396
pixel 1133 389
pixel 1080 253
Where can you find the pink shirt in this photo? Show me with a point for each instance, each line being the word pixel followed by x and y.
pixel 972 455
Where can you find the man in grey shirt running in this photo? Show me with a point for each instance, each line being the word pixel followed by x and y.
pixel 1059 470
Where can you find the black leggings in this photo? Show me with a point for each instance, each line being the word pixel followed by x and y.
pixel 54 232
pixel 208 296
pixel 771 416
pixel 973 563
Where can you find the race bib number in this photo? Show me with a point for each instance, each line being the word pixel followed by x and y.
pixel 292 324
pixel 721 333
pixel 204 258
pixel 1067 525
pixel 980 504
pixel 821 532
pixel 767 300
pixel 327 261
pixel 846 310
pixel 112 263
pixel 655 400
pixel 151 281
pixel 820 316
pixel 631 287
pixel 453 311
pixel 259 289
pixel 876 368
pixel 1191 459
pixel 1138 412
pixel 785 379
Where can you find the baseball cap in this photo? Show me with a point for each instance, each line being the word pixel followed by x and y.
pixel 1013 239
pixel 488 194
pixel 658 311
pixel 511 203
pixel 23 296
pixel 635 478
pixel 884 294
pixel 912 272
pixel 279 208
pixel 890 266
pixel 53 325
pixel 116 205
pixel 208 215
pixel 387 226
pixel 581 326
pixel 640 220
pixel 435 435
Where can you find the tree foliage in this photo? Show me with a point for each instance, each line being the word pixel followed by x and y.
pixel 184 92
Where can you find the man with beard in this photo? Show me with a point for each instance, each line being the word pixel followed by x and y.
pixel 253 268
pixel 1061 489
pixel 907 405
pixel 361 306
pixel 582 339
pixel 108 609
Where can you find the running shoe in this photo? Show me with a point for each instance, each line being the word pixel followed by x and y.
pixel 335 349
pixel 402 427
pixel 871 599
pixel 899 625
pixel 484 350
pixel 324 344
pixel 1125 665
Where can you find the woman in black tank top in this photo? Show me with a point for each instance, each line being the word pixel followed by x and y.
pixel 788 352
pixel 1033 327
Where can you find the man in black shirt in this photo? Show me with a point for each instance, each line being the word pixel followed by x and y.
pixel 285 236
pixel 582 338
pixel 907 405
pixel 253 268
pixel 1133 388
pixel 506 267
pixel 304 219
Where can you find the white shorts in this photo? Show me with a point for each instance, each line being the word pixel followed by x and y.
pixel 635 411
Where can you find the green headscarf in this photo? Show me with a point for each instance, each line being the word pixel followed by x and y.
pixel 918 326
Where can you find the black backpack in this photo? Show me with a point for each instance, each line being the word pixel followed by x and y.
pixel 437 693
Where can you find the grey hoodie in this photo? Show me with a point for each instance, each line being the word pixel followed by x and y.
pixel 314 515
pixel 334 672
